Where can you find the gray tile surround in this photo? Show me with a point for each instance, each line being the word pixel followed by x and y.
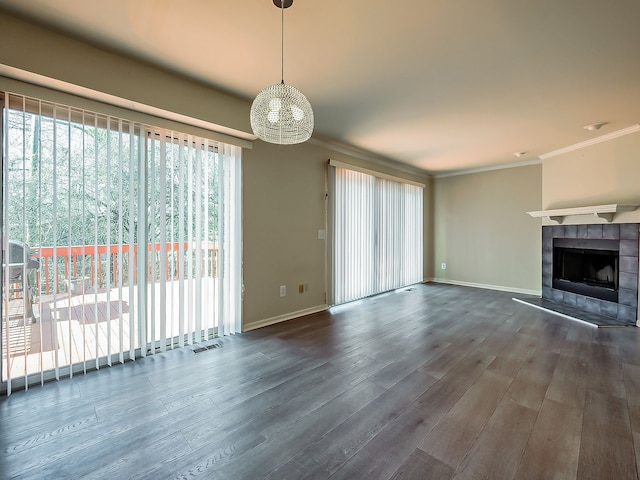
pixel 626 310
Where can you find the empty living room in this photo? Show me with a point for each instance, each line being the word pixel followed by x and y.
pixel 273 239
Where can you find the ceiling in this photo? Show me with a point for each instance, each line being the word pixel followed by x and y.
pixel 440 85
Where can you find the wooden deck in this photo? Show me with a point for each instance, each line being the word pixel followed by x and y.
pixel 90 325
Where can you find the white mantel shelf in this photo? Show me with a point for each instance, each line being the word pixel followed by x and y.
pixel 607 212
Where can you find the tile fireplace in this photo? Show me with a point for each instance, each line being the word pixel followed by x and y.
pixel 593 268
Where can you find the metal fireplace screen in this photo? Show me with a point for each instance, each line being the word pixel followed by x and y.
pixel 587 267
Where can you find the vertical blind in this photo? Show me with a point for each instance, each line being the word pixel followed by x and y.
pixel 377 234
pixel 130 238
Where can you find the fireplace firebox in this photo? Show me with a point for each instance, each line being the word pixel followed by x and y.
pixel 587 266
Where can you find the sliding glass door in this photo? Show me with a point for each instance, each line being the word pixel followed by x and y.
pixel 377 233
pixel 119 240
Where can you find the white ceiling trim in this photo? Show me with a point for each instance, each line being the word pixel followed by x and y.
pixel 369 157
pixel 489 169
pixel 592 141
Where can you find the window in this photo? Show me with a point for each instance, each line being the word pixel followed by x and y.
pixel 131 237
pixel 377 233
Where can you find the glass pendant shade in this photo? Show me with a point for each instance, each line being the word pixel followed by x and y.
pixel 282 114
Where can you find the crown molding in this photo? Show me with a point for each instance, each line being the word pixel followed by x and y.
pixel 491 168
pixel 592 141
pixel 368 156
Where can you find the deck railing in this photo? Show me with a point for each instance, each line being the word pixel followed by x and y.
pixel 109 264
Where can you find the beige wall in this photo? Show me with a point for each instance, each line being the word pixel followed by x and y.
pixel 283 210
pixel 284 207
pixel 283 186
pixel 601 174
pixel 482 231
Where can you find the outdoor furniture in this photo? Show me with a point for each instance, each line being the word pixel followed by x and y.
pixel 21 261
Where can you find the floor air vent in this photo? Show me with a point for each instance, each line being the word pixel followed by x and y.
pixel 206 347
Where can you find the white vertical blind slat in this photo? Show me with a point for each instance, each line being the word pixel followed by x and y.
pixel 151 251
pixel 107 261
pixel 84 241
pixel 143 251
pixel 55 242
pixel 132 243
pixel 190 295
pixel 199 330
pixel 230 280
pixel 6 347
pixel 181 239
pixel 162 182
pixel 222 257
pixel 38 138
pixel 120 259
pixel 96 255
pixel 171 165
pixel 24 266
pixel 209 159
pixel 69 343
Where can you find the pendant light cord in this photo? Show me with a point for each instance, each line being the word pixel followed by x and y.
pixel 282 40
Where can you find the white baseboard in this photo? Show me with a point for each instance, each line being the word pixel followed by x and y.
pixel 284 317
pixel 500 288
pixel 321 308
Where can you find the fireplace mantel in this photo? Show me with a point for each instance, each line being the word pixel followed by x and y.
pixel 606 212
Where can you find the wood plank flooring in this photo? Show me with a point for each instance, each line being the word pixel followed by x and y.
pixel 434 382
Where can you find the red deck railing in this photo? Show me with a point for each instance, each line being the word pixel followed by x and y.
pixel 102 263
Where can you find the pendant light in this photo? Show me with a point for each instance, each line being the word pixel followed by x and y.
pixel 280 113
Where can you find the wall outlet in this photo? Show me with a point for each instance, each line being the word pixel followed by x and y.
pixel 301 288
pixel 444 266
pixel 283 290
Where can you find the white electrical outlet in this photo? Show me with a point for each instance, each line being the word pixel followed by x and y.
pixel 444 266
pixel 283 290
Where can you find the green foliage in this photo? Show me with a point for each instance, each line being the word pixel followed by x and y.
pixel 100 183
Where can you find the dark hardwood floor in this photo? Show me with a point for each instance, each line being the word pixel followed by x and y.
pixel 436 382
